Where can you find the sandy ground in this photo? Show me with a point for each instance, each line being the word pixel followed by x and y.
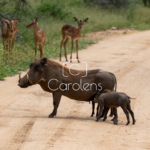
pixel 23 112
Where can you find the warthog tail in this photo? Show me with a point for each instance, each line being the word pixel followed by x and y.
pixel 130 97
pixel 115 87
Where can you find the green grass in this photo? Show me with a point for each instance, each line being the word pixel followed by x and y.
pixel 52 20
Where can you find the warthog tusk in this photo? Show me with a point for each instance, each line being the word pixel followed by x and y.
pixel 27 78
pixel 19 75
pixel 41 80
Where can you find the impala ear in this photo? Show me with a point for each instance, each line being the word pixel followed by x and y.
pixel 44 61
pixel 4 21
pixel 85 20
pixel 75 19
pixel 16 21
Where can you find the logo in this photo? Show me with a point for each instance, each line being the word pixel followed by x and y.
pixel 78 83
pixel 78 66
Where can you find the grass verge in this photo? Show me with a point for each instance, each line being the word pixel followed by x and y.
pixel 52 15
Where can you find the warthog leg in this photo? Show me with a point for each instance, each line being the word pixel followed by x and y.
pixel 101 107
pixel 115 119
pixel 126 112
pixel 105 113
pixel 56 100
pixel 97 111
pixel 93 108
pixel 131 112
pixel 111 113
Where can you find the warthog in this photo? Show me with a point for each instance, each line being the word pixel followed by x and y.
pixel 110 99
pixel 55 78
pixel 93 103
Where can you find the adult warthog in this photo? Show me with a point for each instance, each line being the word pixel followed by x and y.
pixel 59 80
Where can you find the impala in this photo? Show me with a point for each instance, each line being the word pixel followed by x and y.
pixel 70 31
pixel 9 30
pixel 40 36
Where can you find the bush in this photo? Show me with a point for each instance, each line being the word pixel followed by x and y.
pixel 115 3
pixel 109 3
pixel 52 9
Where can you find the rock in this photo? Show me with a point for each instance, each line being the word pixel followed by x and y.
pixel 114 28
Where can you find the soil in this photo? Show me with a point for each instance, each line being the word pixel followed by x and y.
pixel 24 122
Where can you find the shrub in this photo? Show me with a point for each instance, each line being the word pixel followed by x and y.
pixel 109 3
pixel 52 9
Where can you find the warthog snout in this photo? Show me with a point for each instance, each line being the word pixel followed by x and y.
pixel 23 82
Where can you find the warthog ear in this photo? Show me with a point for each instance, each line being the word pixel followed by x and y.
pixel 44 61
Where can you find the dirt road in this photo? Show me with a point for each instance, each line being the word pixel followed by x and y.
pixel 23 112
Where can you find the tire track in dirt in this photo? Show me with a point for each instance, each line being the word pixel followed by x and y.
pixel 121 78
pixel 120 75
pixel 130 65
pixel 136 106
pixel 63 127
pixel 20 137
pixel 129 133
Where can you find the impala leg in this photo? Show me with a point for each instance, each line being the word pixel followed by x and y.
pixel 13 42
pixel 4 50
pixel 3 44
pixel 62 41
pixel 71 49
pixel 41 51
pixel 35 50
pixel 77 51
pixel 66 41
pixel 44 44
pixel 10 51
pixel 7 45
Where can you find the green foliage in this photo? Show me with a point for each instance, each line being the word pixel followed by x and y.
pixel 112 3
pixel 52 17
pixel 75 3
pixel 109 3
pixel 52 9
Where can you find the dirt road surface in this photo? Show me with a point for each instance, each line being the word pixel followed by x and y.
pixel 23 112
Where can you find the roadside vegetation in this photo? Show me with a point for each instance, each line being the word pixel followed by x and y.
pixel 53 14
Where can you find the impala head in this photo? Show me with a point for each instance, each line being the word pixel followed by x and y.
pixel 33 23
pixel 80 22
pixel 10 24
pixel 35 73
